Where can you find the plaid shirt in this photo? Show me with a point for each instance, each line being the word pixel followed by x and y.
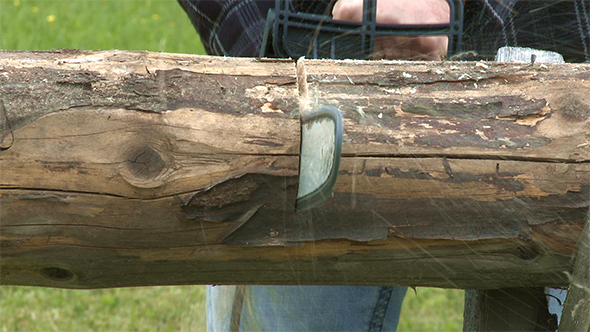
pixel 236 27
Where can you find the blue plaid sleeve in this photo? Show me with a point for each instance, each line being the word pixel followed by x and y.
pixel 229 27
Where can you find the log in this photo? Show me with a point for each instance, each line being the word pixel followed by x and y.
pixel 136 168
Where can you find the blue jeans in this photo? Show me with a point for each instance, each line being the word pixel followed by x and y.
pixel 303 308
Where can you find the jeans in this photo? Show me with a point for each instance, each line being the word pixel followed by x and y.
pixel 303 308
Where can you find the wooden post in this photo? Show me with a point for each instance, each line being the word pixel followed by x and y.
pixel 576 309
pixel 507 309
pixel 136 168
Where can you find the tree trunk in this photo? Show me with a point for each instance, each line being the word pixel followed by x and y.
pixel 135 168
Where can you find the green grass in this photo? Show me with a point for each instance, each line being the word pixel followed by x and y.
pixel 179 308
pixel 432 309
pixel 153 25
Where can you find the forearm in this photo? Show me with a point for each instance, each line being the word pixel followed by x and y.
pixel 410 12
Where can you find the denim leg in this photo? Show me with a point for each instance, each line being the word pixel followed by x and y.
pixel 303 308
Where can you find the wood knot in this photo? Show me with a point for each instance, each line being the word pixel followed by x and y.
pixel 574 107
pixel 527 252
pixel 144 167
pixel 145 163
pixel 57 274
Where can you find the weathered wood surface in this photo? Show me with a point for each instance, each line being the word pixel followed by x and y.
pixel 134 168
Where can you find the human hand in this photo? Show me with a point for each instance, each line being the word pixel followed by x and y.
pixel 402 12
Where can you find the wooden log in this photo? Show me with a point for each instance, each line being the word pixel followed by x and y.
pixel 136 168
pixel 576 309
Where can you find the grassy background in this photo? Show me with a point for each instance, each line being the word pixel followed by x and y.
pixel 153 25
pixel 179 308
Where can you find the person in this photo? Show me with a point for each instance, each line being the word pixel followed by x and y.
pixel 236 28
